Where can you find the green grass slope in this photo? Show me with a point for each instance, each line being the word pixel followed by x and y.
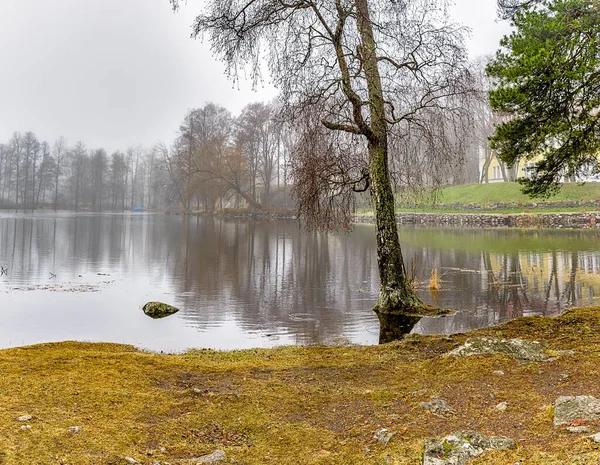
pixel 510 192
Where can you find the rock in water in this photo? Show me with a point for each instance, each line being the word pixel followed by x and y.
pixel 519 349
pixel 568 408
pixel 459 448
pixel 159 310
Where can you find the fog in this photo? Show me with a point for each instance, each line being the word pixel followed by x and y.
pixel 116 73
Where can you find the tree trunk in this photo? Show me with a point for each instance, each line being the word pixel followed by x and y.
pixel 56 186
pixel 487 161
pixel 247 197
pixel 395 293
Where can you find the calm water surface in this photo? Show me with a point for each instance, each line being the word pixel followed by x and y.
pixel 243 284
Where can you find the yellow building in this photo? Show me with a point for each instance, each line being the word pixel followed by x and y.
pixel 498 172
pixel 495 174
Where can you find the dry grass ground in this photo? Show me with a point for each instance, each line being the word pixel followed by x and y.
pixel 315 405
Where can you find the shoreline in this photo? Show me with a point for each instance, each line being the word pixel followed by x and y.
pixel 577 220
pixel 89 403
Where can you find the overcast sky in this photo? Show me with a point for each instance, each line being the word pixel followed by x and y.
pixel 115 73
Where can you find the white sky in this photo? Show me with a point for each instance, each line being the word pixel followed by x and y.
pixel 115 73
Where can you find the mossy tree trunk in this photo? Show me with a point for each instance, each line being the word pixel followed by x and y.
pixel 396 294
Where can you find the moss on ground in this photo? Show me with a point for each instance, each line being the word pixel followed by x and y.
pixel 295 405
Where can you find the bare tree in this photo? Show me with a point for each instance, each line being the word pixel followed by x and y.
pixel 365 66
pixel 61 151
pixel 45 174
pixel 78 162
pixel 257 137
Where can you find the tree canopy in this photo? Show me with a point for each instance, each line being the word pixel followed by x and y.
pixel 548 84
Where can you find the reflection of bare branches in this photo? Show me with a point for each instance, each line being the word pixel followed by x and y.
pixel 570 292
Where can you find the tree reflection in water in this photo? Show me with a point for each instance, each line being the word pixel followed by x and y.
pixel 274 280
pixel 395 327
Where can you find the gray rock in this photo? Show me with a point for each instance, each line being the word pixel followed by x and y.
pixel 131 461
pixel 578 429
pixel 569 408
pixel 25 427
pixel 216 456
pixel 519 349
pixel 342 342
pixel 383 436
pixel 25 418
pixel 438 406
pixel 158 310
pixel 595 437
pixel 459 448
pixel 499 373
pixel 74 429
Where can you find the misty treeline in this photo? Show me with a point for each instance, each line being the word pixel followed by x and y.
pixel 222 161
pixel 261 159
pixel 36 174
pixel 218 160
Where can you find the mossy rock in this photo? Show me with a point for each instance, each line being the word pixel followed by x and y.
pixel 158 310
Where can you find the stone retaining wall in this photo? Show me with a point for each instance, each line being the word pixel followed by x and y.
pixel 539 220
pixel 473 207
pixel 516 220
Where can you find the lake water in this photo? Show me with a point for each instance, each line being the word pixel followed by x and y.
pixel 242 284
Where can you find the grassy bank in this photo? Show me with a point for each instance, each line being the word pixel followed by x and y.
pixel 505 192
pixel 315 405
pixel 487 196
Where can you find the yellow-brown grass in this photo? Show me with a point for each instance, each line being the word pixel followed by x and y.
pixel 294 405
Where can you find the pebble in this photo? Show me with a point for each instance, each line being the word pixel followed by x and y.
pixel 74 429
pixel 437 406
pixel 595 437
pixel 578 429
pixel 502 406
pixel 25 427
pixel 562 353
pixel 383 436
pixel 499 373
pixel 25 418
pixel 131 461
pixel 216 456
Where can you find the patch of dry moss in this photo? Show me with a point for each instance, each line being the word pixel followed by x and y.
pixel 294 405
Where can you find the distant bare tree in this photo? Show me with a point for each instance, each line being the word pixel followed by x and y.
pixel 257 137
pixel 362 66
pixel 31 150
pixel 60 152
pixel 78 162
pixel 45 175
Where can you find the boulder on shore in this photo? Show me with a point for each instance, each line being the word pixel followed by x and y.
pixel 519 349
pixel 570 408
pixel 159 310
